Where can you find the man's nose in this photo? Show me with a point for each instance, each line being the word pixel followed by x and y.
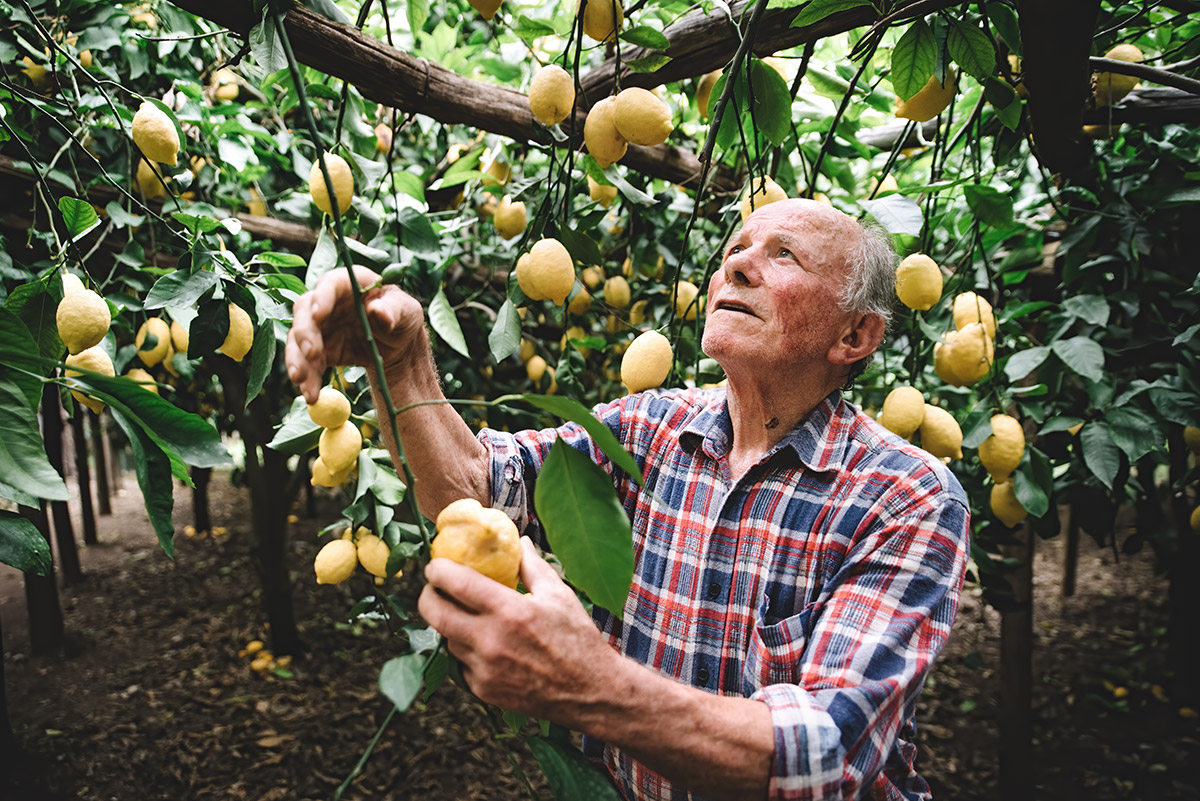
pixel 740 268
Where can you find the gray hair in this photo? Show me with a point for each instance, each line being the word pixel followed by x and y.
pixel 871 285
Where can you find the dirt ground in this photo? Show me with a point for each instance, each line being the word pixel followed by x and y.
pixel 154 702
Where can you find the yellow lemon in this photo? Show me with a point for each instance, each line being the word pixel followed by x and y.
pixel 971 308
pixel 383 138
pixel 762 190
pixel 903 411
pixel 581 303
pixel 704 90
pixel 637 312
pixel 888 185
pixel 83 319
pixel 339 447
pixel 149 185
pixel 225 85
pixel 1005 506
pixel 179 337
pixel 551 94
pixel 335 562
pixel 641 117
pixel 1112 86
pixel 602 19
pixel 71 283
pixel 600 133
pixel 574 332
pixel 143 378
pixel 601 193
pixel 546 272
pixel 528 351
pixel 685 294
pixel 331 410
pixel 616 292
pixel 1194 520
pixel 1001 452
pixel 496 171
pixel 155 135
pixel 241 334
pixel 480 538
pixel 95 359
pixel 592 276
pixel 256 205
pixel 509 218
pixel 1191 436
pixel 918 282
pixel 535 368
pixel 966 357
pixel 940 433
pixel 343 183
pixel 373 555
pixel 38 75
pixel 647 362
pixel 930 101
pixel 152 341
pixel 486 8
pixel 321 476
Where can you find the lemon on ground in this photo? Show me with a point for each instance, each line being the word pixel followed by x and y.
pixel 335 562
pixel 971 308
pixel 1191 437
pixel 600 133
pixel 551 94
pixel 762 190
pixel 685 294
pixel 179 337
pixel 480 538
pixel 1001 452
pixel 966 357
pixel 509 218
pixel 581 303
pixel 71 283
pixel 331 410
pixel 546 272
pixel 152 341
pixel 602 193
pixel 930 101
pixel 144 379
pixel 254 646
pixel 903 411
pixel 641 117
pixel 616 292
pixel 1112 86
pixel 602 18
pixel 95 359
pixel 373 555
pixel 647 362
pixel 339 447
pixel 155 135
pixel 918 282
pixel 343 183
pixel 704 90
pixel 148 182
pixel 1005 506
pixel 535 368
pixel 486 8
pixel 592 276
pixel 940 433
pixel 83 319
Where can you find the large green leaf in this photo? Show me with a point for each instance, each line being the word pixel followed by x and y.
pixel 991 206
pixel 602 435
pixel 647 37
pixel 262 358
pixel 180 288
pixel 22 546
pixel 913 60
pixel 153 470
pixel 37 308
pixel 298 434
pixel 1033 482
pixel 1100 453
pixel 898 214
pixel 79 215
pixel 401 678
pixel 971 49
pixel 1133 431
pixel 418 235
pixel 19 351
pixel 505 336
pixel 571 775
pixel 445 323
pixel 586 526
pixel 23 461
pixel 1024 362
pixel 818 10
pixel 1083 355
pixel 1092 309
pixel 772 109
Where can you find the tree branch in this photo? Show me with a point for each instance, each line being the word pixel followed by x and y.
pixel 1155 74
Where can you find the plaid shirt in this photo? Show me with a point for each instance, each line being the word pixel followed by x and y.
pixel 823 582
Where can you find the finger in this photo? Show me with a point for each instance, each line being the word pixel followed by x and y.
pixel 448 618
pixel 301 372
pixel 467 586
pixel 536 572
pixel 333 290
pixel 309 350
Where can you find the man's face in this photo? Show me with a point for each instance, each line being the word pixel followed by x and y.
pixel 773 304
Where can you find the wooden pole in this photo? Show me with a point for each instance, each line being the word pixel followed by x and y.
pixel 46 632
pixel 64 533
pixel 1015 717
pixel 1071 554
pixel 103 495
pixel 84 477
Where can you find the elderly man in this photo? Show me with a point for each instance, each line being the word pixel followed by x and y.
pixel 797 567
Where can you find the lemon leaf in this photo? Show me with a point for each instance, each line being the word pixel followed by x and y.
pixel 505 336
pixel 1033 483
pixel 1083 355
pixel 971 49
pixel 647 37
pixel 401 678
pixel 913 60
pixel 569 773
pixel 180 288
pixel 153 469
pixel 772 102
pixel 23 461
pixel 445 323
pixel 1100 453
pixel 818 10
pixel 601 434
pixel 79 216
pixel 22 546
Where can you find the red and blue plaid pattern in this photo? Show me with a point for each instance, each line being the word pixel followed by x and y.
pixel 823 582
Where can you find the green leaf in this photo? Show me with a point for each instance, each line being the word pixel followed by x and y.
pixel 17 349
pixel 23 461
pixel 22 546
pixel 262 358
pixel 1004 19
pixel 436 671
pixel 991 206
pixel 581 246
pixel 976 428
pixel 280 260
pixel 1100 453
pixel 418 14
pixel 529 29
pixel 120 217
pixel 1083 355
pixel 571 775
pixel 417 232
pixel 37 309
pixel 266 46
pixel 898 214
pixel 505 336
pixel 180 288
pixel 772 108
pixel 153 470
pixel 648 63
pixel 1024 362
pixel 971 49
pixel 1092 309
pixel 1133 431
pixel 1004 101
pixel 401 678
pixel 647 37
pixel 602 435
pixel 913 60
pixel 1060 423
pixel 78 215
pixel 445 323
pixel 818 10
pixel 197 223
pixel 298 433
pixel 1033 483
pixel 586 526
pixel 628 191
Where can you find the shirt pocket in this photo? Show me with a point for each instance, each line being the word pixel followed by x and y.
pixel 776 650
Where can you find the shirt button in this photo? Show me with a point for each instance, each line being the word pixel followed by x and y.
pixel 714 590
pixel 702 676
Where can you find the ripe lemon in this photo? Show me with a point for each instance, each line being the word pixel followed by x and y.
pixel 322 477
pixel 551 94
pixel 39 76
pixel 335 562
pixel 546 272
pixel 256 205
pixel 83 319
pixel 1111 86
pixel 144 379
pixel 1005 506
pixel 528 351
pixel 641 117
pixel 616 292
pixel 509 218
pixel 148 183
pixel 1001 452
pixel 592 276
pixel 241 334
pixel 331 410
pixel 889 185
pixel 71 283
pixel 600 133
pixel 1191 436
pixel 647 362
pixel 535 368
pixel 601 193
pixel 95 359
pixel 179 337
pixel 581 303
pixel 918 282
pixel 480 538
pixel 637 312
pixel 343 183
pixel 225 84
pixel 383 138
pixel 339 447
pixel 1194 520
pixel 574 332
pixel 966 357
pixel 602 19
pixel 903 411
pixel 971 308
pixel 373 555
pixel 704 90
pixel 496 171
pixel 486 8
pixel 940 433
pixel 930 101
pixel 762 190
pixel 685 293
pixel 152 341
pixel 155 135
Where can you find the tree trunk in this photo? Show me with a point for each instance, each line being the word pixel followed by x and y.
pixel 1071 552
pixel 64 534
pixel 8 740
pixel 103 495
pixel 1183 592
pixel 84 475
pixel 1016 674
pixel 46 635
pixel 200 477
pixel 310 495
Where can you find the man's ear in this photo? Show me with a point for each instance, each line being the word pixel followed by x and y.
pixel 860 338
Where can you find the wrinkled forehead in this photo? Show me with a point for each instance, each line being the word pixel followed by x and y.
pixel 815 227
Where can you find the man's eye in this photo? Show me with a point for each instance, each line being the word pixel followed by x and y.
pixel 786 254
pixel 735 249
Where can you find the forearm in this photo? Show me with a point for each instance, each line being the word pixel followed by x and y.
pixel 447 460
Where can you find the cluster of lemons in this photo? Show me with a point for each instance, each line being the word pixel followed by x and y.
pixel 340 442
pixel 261 659
pixel 338 558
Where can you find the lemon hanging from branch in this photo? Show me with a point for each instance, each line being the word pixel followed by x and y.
pixel 155 135
pixel 95 359
pixel 903 411
pixel 342 179
pixel 641 117
pixel 647 362
pixel 546 272
pixel 83 319
pixel 601 136
pixel 152 341
pixel 602 18
pixel 241 334
pixel 551 95
pixel 918 282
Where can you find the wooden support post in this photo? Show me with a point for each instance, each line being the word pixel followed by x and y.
pixel 103 495
pixel 1071 553
pixel 64 533
pixel 83 475
pixel 46 633
pixel 1016 674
